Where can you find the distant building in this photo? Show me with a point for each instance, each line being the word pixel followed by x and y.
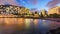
pixel 43 11
pixel 54 10
pixel 9 9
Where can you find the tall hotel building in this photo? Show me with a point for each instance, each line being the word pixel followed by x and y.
pixel 9 9
pixel 54 10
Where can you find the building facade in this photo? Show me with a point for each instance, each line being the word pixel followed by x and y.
pixel 44 12
pixel 54 10
pixel 10 9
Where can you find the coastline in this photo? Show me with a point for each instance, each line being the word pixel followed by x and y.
pixel 13 16
pixel 52 19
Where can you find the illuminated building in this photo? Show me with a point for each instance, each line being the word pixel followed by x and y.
pixel 43 11
pixel 16 11
pixel 9 9
pixel 54 10
pixel 1 10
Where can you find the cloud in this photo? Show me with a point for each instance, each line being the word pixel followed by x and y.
pixel 15 2
pixel 22 1
pixel 11 2
pixel 34 2
pixel 2 2
pixel 53 3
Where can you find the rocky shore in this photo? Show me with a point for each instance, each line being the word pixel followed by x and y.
pixel 52 19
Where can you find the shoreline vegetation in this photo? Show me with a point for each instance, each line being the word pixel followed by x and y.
pixel 51 19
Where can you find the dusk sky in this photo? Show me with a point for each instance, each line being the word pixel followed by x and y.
pixel 38 4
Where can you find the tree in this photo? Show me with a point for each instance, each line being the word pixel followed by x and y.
pixel 41 15
pixel 35 12
pixel 54 15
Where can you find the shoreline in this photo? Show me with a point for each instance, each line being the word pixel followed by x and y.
pixel 52 19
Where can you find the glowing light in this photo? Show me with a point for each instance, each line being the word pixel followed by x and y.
pixel 27 23
pixel 36 21
pixel 44 22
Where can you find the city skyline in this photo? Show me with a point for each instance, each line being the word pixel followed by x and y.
pixel 32 4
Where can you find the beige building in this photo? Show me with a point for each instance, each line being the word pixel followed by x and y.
pixel 11 9
pixel 43 12
pixel 54 10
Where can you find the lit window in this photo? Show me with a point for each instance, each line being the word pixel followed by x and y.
pixel 7 9
pixel 11 7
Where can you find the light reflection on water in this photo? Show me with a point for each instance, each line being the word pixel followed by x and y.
pixel 28 22
pixel 26 26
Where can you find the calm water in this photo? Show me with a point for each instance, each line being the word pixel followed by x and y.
pixel 26 26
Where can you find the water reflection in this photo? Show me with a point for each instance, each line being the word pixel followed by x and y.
pixel 35 22
pixel 28 22
pixel 44 22
pixel 26 26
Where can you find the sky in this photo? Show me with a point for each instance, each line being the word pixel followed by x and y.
pixel 32 4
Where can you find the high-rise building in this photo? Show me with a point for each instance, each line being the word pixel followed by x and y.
pixel 9 9
pixel 43 11
pixel 54 10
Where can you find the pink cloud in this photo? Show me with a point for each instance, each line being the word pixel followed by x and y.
pixel 34 2
pixel 14 2
pixel 11 2
pixel 53 3
pixel 2 2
